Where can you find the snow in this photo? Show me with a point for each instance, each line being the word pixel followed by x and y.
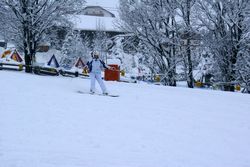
pixel 45 123
pixel 114 61
pixel 43 58
pixel 93 23
pixel 1 51
pixel 11 46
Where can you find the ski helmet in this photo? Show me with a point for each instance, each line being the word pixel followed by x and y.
pixel 95 54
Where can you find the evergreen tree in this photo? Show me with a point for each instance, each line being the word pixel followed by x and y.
pixel 73 47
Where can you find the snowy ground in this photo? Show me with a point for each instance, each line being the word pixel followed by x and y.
pixel 45 123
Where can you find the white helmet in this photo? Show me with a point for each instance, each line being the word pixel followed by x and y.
pixel 95 53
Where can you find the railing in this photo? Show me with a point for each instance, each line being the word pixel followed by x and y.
pixel 41 70
pixel 13 67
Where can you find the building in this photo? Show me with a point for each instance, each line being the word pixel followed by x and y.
pixel 95 18
pixel 3 44
pixel 96 11
pixel 43 47
pixel 90 21
pixel 195 39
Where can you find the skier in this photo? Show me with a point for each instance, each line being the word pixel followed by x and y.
pixel 95 67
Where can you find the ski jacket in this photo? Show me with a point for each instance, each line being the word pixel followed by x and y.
pixel 96 66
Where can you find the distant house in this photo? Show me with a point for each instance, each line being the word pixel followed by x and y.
pixel 43 47
pixel 194 37
pixel 95 18
pixel 3 44
pixel 91 20
pixel 97 11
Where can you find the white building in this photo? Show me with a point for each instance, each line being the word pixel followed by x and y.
pixel 95 18
pixel 88 22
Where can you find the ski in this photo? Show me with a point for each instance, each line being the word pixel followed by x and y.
pixel 98 94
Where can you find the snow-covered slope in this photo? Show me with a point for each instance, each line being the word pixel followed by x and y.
pixel 45 123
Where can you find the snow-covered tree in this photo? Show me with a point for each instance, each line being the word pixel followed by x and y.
pixel 224 21
pixel 243 59
pixel 73 47
pixel 100 43
pixel 154 24
pixel 117 52
pixel 85 48
pixel 204 67
pixel 28 20
pixel 185 8
pixel 4 21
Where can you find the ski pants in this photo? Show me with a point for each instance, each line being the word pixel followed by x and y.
pixel 98 77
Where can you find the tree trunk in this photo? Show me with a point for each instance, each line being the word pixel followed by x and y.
pixel 190 79
pixel 26 39
pixel 173 69
pixel 27 56
pixel 236 33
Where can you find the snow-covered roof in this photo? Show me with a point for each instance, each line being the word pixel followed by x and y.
pixel 44 44
pixel 94 23
pixel 97 10
pixel 11 46
pixel 105 3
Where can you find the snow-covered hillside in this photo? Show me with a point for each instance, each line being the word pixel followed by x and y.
pixel 45 123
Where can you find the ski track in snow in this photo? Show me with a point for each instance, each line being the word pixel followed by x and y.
pixel 45 123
